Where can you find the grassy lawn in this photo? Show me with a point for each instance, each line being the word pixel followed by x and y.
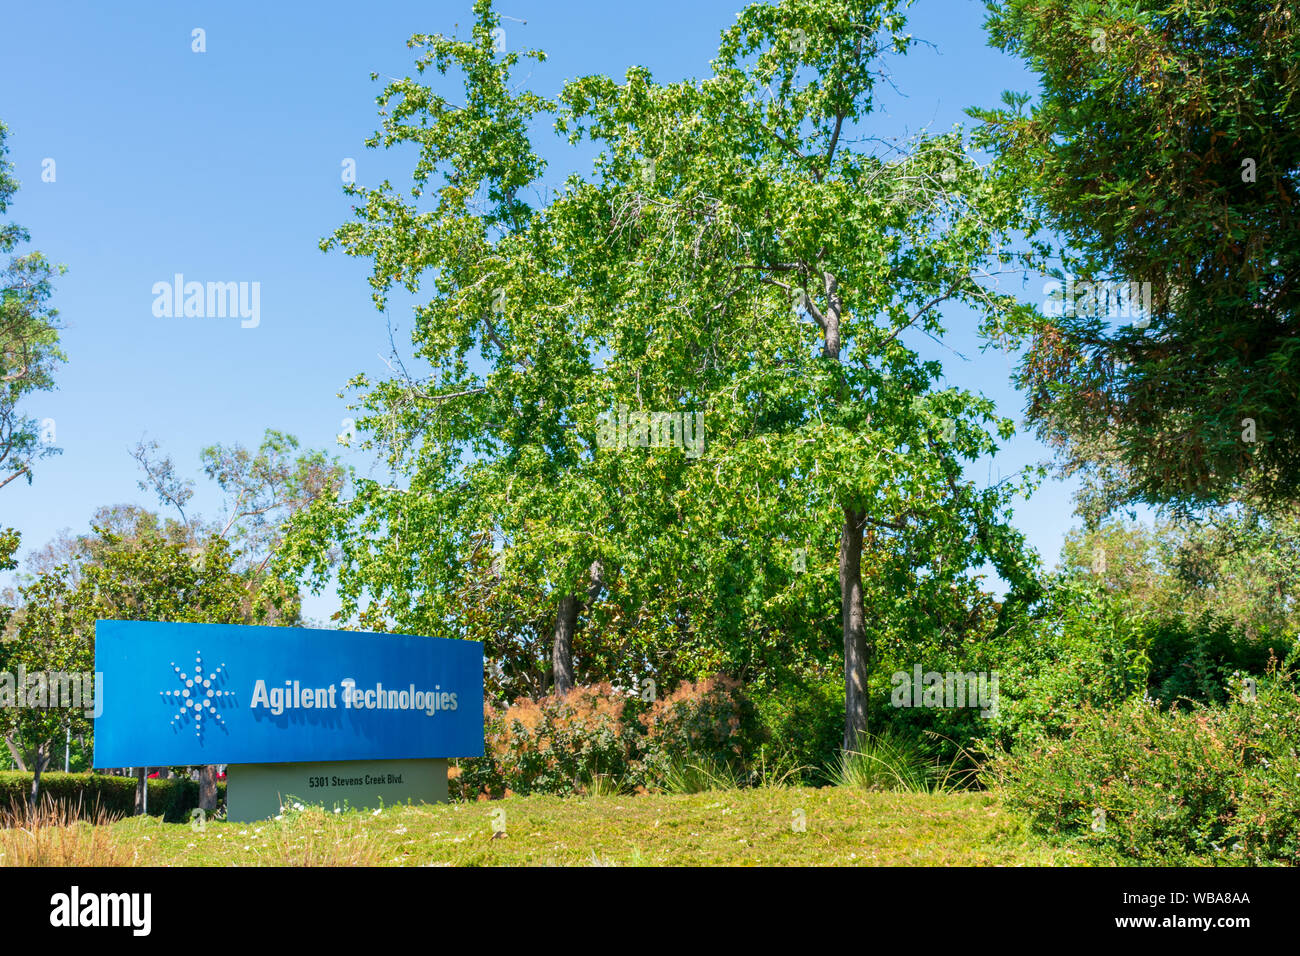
pixel 746 827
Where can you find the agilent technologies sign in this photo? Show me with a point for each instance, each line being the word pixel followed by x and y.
pixel 191 694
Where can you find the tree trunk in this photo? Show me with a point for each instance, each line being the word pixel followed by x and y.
pixel 38 764
pixel 566 625
pixel 851 611
pixel 566 621
pixel 141 781
pixel 853 618
pixel 855 632
pixel 17 754
pixel 208 789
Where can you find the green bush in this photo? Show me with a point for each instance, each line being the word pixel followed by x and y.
pixel 1170 786
pixel 803 720
pixel 171 799
pixel 1085 651
pixel 1093 649
pixel 1192 660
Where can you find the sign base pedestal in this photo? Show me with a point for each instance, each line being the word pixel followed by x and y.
pixel 257 791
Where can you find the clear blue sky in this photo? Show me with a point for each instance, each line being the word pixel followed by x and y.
pixel 225 166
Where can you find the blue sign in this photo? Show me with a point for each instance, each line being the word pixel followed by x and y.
pixel 185 694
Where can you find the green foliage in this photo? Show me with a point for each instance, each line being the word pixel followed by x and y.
pixel 1162 147
pixel 29 341
pixel 266 486
pixel 263 490
pixel 1083 650
pixel 1239 564
pixel 9 541
pixel 960 630
pixel 87 793
pixel 802 717
pixel 1093 646
pixel 1214 784
pixel 735 252
pixel 53 630
pixel 1193 660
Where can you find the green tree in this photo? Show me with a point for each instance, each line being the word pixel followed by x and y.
pixel 29 351
pixel 1237 564
pixel 29 340
pixel 723 211
pixel 143 576
pixel 485 440
pixel 48 633
pixel 1162 147
pixel 672 282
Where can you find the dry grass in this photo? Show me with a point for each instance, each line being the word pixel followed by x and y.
pixel 59 834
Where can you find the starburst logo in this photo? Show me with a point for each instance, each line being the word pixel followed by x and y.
pixel 198 697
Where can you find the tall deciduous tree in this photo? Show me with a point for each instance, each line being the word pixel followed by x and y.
pixel 736 272
pixel 728 208
pixel 485 438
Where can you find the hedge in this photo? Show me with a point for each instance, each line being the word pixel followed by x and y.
pixel 171 799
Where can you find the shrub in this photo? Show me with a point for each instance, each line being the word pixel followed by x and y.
pixel 552 745
pixel 710 724
pixel 1192 661
pixel 89 793
pixel 1093 649
pixel 599 739
pixel 1168 786
pixel 804 722
pixel 1085 652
